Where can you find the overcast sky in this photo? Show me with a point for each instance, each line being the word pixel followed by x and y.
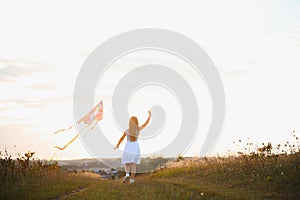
pixel 255 46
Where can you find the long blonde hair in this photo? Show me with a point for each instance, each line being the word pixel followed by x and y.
pixel 133 128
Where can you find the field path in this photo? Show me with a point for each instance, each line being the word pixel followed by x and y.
pixel 170 184
pixel 73 192
pixel 165 188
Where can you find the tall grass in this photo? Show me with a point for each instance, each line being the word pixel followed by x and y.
pixel 263 172
pixel 14 171
pixel 263 167
pixel 254 172
pixel 27 178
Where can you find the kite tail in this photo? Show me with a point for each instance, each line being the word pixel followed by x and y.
pixel 96 114
pixel 61 130
pixel 70 142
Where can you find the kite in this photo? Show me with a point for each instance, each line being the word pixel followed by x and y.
pixel 90 120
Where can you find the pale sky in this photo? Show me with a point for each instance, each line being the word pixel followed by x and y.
pixel 255 46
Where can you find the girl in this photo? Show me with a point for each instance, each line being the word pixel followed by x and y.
pixel 131 154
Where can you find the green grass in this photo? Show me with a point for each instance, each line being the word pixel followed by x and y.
pixel 26 178
pixel 50 187
pixel 261 175
pixel 272 177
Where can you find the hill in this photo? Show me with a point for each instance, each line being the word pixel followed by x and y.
pixel 256 176
pixel 243 177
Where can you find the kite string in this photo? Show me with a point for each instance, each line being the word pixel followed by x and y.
pixel 91 128
pixel 52 157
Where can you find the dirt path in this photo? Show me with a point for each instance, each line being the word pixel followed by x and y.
pixel 73 192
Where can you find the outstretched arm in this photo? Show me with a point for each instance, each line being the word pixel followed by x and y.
pixel 120 140
pixel 146 122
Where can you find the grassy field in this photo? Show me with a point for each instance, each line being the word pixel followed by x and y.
pixel 245 177
pixel 52 187
pixel 264 172
pixel 256 176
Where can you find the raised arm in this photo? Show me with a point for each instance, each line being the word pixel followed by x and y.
pixel 146 122
pixel 120 140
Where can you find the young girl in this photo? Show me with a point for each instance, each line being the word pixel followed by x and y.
pixel 131 154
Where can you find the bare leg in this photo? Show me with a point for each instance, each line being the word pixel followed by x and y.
pixel 127 167
pixel 133 170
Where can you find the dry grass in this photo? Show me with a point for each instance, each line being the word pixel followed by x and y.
pixel 256 172
pixel 25 178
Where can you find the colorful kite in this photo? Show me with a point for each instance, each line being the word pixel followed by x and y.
pixel 90 120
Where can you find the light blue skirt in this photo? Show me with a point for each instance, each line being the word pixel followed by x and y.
pixel 131 153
